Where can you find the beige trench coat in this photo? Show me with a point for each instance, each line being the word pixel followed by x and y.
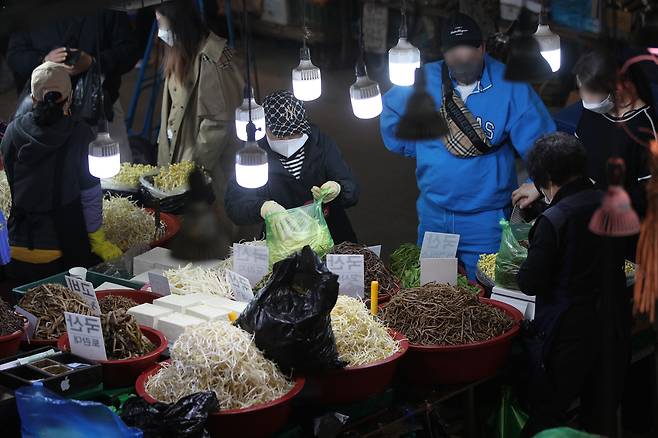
pixel 204 132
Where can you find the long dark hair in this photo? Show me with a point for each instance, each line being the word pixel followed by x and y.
pixel 49 111
pixel 189 33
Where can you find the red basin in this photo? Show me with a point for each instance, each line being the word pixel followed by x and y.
pixel 351 384
pixel 441 364
pixel 172 227
pixel 10 343
pixel 259 421
pixel 123 372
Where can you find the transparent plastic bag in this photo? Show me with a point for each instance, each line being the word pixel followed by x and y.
pixel 291 230
pixel 509 259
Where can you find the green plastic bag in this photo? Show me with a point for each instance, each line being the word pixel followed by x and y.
pixel 509 259
pixel 291 230
pixel 510 418
pixel 564 432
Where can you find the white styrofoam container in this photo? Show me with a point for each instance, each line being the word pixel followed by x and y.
pixel 148 314
pixel 208 313
pixel 161 259
pixel 107 286
pixel 517 299
pixel 179 303
pixel 225 303
pixel 144 276
pixel 174 325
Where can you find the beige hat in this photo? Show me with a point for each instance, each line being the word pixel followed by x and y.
pixel 50 76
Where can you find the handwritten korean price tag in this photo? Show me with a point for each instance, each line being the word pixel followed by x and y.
pixel 85 336
pixel 350 271
pixel 240 286
pixel 86 291
pixel 251 261
pixel 439 246
pixel 159 284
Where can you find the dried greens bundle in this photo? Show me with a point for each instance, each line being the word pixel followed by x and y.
pixel 374 268
pixel 10 321
pixel 123 338
pixel 48 302
pixel 110 303
pixel 439 314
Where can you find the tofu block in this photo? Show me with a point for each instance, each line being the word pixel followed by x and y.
pixel 179 303
pixel 224 303
pixel 174 325
pixel 149 314
pixel 208 313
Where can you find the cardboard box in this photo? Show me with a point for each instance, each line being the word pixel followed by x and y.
pixel 520 301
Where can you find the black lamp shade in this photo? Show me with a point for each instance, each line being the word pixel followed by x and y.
pixel 525 62
pixel 421 120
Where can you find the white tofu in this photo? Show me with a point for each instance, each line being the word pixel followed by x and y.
pixel 149 314
pixel 174 325
pixel 208 313
pixel 179 303
pixel 224 303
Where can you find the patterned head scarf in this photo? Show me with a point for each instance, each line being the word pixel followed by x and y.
pixel 285 115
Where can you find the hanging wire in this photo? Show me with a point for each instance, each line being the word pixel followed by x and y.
pixel 103 116
pixel 245 27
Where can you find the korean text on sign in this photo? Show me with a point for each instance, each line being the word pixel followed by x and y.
pixel 85 336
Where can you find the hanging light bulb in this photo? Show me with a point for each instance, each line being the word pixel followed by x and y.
pixel 104 156
pixel 242 116
pixel 404 58
pixel 251 169
pixel 306 80
pixel 365 95
pixel 549 43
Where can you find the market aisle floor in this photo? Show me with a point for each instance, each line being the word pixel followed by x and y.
pixel 386 213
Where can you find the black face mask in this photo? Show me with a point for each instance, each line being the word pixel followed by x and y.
pixel 466 72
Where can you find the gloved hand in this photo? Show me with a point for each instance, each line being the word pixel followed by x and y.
pixel 328 192
pixel 102 247
pixel 270 207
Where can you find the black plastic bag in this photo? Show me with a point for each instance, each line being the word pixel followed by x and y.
pixel 290 317
pixel 185 418
pixel 87 99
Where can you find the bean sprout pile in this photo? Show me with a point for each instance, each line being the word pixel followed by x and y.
pixel 173 176
pixel 129 174
pixel 218 357
pixel 5 195
pixel 127 225
pixel 360 338
pixel 195 279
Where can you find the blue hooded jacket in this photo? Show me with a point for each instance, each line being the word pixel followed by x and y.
pixel 511 114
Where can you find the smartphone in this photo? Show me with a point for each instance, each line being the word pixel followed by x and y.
pixel 72 57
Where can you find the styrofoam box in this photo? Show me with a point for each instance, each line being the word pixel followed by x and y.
pixel 148 314
pixel 208 313
pixel 174 325
pixel 107 286
pixel 224 303
pixel 179 303
pixel 160 258
pixel 520 301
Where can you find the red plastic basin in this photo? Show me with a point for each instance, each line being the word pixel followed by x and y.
pixel 351 384
pixel 123 372
pixel 259 421
pixel 138 296
pixel 441 364
pixel 10 343
pixel 172 227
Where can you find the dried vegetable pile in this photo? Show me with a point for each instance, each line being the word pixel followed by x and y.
pixel 438 314
pixel 123 338
pixel 374 268
pixel 128 225
pixel 48 302
pixel 218 357
pixel 10 321
pixel 360 338
pixel 111 303
pixel 5 195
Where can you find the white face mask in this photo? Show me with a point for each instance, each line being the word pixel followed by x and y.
pixel 602 107
pixel 287 147
pixel 167 36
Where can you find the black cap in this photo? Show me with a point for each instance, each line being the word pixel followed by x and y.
pixel 460 30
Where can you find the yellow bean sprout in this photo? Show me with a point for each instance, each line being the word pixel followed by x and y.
pixel 360 338
pixel 173 176
pixel 218 357
pixel 129 174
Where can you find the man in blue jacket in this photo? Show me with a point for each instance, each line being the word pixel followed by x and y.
pixel 466 178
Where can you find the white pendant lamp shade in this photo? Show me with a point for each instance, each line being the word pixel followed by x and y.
pixel 403 60
pixel 251 169
pixel 306 78
pixel 242 118
pixel 549 46
pixel 365 96
pixel 104 156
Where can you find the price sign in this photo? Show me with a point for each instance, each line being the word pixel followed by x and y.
pixel 251 261
pixel 439 245
pixel 350 271
pixel 86 291
pixel 32 320
pixel 377 249
pixel 240 286
pixel 159 284
pixel 85 336
pixel 442 271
